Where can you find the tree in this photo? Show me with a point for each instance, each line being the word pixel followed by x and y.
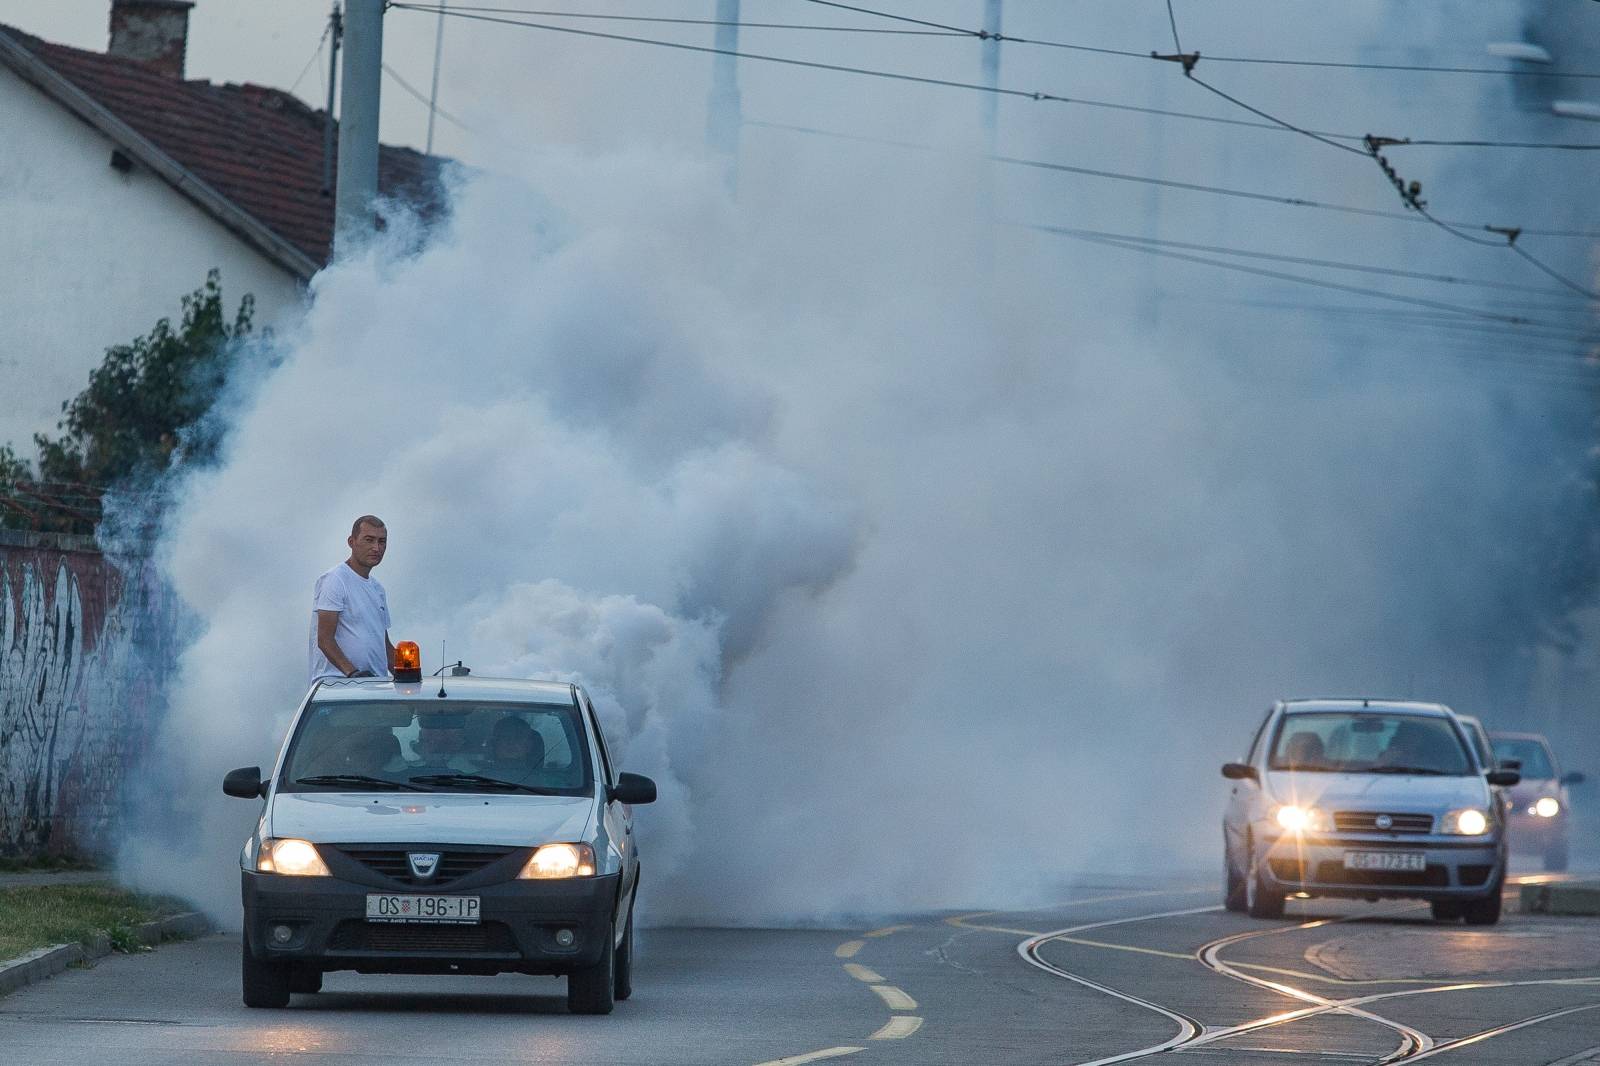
pixel 145 406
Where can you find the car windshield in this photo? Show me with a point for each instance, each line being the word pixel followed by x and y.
pixel 396 745
pixel 1480 741
pixel 1369 742
pixel 1535 760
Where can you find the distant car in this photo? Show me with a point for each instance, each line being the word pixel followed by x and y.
pixel 1364 799
pixel 1540 806
pixel 1478 737
pixel 412 827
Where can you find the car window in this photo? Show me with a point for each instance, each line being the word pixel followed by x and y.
pixel 1255 741
pixel 1535 759
pixel 525 747
pixel 1367 742
pixel 1480 743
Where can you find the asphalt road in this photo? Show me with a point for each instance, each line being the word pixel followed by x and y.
pixel 1113 970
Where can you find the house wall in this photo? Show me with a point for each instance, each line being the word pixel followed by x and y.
pixel 84 645
pixel 91 257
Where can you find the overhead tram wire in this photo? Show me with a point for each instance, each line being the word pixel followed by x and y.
pixel 321 43
pixel 1187 186
pixel 838 68
pixel 662 19
pixel 422 98
pixel 1410 194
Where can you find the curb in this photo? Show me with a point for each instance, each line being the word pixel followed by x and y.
pixel 47 962
pixel 1577 898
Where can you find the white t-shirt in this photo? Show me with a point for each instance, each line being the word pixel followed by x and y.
pixel 363 630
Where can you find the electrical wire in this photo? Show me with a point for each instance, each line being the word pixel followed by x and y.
pixel 1141 179
pixel 839 68
pixel 698 22
pixel 321 43
pixel 422 98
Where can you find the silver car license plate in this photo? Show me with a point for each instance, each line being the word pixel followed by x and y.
pixel 1411 861
pixel 451 910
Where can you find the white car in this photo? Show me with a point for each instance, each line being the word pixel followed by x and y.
pixel 462 826
pixel 1365 799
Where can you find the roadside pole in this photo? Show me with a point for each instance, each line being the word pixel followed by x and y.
pixel 335 39
pixel 722 124
pixel 358 125
pixel 991 72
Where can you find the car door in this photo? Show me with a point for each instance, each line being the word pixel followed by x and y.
pixel 618 816
pixel 1244 794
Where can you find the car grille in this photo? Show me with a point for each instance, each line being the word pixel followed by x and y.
pixel 488 938
pixel 1367 822
pixel 454 864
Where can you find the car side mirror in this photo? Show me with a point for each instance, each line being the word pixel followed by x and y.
pixel 1238 771
pixel 1573 778
pixel 632 789
pixel 245 783
pixel 1505 778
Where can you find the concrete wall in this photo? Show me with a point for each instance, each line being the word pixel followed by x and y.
pixel 91 257
pixel 84 644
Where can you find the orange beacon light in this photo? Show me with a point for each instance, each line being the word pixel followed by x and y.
pixel 407 661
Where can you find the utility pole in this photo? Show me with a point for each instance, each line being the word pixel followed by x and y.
pixel 991 71
pixel 335 36
pixel 353 218
pixel 433 95
pixel 722 124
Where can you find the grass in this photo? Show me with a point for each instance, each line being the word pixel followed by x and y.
pixel 46 863
pixel 37 916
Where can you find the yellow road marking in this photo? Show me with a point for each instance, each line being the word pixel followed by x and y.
pixel 898 1028
pixel 848 949
pixel 861 973
pixel 812 1056
pixel 886 930
pixel 895 998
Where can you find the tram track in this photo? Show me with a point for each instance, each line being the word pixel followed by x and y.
pixel 1414 1043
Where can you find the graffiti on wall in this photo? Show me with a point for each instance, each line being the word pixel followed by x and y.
pixel 83 643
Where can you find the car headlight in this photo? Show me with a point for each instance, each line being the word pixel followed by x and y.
pixel 551 862
pixel 291 857
pixel 1547 807
pixel 1468 822
pixel 1298 819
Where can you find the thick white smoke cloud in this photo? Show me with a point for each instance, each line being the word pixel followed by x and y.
pixel 925 562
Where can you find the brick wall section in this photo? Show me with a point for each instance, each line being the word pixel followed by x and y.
pixel 84 643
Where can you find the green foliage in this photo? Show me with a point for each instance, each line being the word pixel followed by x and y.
pixel 148 397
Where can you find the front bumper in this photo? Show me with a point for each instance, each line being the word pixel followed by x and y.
pixel 1455 868
pixel 516 931
pixel 1529 832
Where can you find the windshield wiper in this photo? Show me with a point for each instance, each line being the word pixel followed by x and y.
pixel 1405 770
pixel 476 779
pixel 357 779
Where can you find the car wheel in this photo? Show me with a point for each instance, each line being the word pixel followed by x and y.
pixel 622 979
pixel 266 984
pixel 1447 910
pixel 1261 899
pixel 305 980
pixel 593 989
pixel 1555 858
pixel 1233 890
pixel 1485 910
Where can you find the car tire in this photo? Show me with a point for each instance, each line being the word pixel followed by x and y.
pixel 1261 899
pixel 266 984
pixel 1555 858
pixel 1447 910
pixel 593 989
pixel 1234 894
pixel 622 976
pixel 1486 909
pixel 305 980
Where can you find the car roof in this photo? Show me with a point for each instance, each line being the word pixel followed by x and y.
pixel 1540 737
pixel 498 689
pixel 1358 704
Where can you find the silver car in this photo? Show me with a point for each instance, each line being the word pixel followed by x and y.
pixel 1365 799
pixel 468 825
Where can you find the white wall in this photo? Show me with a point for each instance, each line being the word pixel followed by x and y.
pixel 91 257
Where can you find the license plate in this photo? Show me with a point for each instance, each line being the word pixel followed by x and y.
pixel 1413 861
pixel 452 910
